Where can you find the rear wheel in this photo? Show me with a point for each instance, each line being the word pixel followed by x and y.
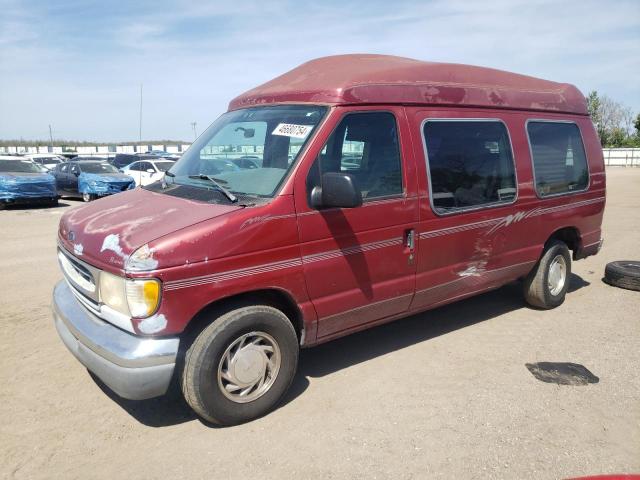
pixel 241 365
pixel 547 284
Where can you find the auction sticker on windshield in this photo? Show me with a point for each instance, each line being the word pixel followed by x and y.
pixel 292 130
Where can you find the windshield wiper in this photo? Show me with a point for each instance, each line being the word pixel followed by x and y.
pixel 227 193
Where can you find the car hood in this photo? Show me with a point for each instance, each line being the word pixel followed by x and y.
pixel 106 232
pixel 19 177
pixel 106 177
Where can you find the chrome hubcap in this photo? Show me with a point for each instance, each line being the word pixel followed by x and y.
pixel 249 367
pixel 557 275
pixel 86 197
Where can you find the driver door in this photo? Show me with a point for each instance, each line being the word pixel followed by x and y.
pixel 359 263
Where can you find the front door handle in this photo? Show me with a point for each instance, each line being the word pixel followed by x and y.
pixel 410 239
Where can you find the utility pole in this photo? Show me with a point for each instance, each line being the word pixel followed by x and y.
pixel 140 131
pixel 195 134
pixel 50 136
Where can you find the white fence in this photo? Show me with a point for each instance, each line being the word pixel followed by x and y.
pixel 621 157
pixel 93 150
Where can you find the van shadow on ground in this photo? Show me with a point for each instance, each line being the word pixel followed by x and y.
pixel 351 350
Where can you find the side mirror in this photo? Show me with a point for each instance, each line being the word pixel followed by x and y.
pixel 339 190
pixel 150 170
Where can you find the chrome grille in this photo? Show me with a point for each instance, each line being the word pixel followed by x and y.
pixel 82 277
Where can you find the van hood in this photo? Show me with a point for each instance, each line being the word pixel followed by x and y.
pixel 106 232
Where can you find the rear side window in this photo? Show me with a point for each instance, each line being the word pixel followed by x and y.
pixel 559 161
pixel 364 145
pixel 470 164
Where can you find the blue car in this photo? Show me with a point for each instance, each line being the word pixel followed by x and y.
pixel 24 182
pixel 90 179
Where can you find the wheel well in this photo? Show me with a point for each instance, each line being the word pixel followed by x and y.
pixel 568 235
pixel 273 297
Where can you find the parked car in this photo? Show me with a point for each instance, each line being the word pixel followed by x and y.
pixel 164 154
pixel 469 178
pixel 47 160
pixel 24 182
pixel 145 172
pixel 89 179
pixel 121 160
pixel 247 162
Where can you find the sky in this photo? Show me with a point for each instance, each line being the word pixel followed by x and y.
pixel 78 65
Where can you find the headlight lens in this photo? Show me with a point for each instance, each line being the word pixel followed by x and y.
pixel 134 298
pixel 112 292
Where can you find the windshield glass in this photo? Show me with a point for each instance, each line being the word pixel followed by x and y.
pixel 97 168
pixel 164 166
pixel 19 166
pixel 270 137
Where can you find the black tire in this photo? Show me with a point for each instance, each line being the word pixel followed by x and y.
pixel 54 203
pixel 536 285
pixel 200 373
pixel 623 274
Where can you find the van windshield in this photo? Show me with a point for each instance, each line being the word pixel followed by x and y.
pixel 248 152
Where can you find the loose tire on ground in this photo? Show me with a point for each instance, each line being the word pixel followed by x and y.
pixel 202 386
pixel 543 288
pixel 623 274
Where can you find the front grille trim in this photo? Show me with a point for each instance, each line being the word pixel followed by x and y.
pixel 87 272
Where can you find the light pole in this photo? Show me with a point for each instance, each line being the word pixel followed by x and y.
pixel 195 133
pixel 140 130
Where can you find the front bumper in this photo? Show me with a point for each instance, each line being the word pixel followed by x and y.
pixel 133 367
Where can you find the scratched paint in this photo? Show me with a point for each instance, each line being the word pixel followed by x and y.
pixel 153 324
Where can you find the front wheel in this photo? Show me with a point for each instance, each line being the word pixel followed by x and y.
pixel 87 197
pixel 241 365
pixel 547 284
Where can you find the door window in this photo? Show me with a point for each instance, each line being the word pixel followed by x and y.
pixel 136 167
pixel 365 146
pixel 470 164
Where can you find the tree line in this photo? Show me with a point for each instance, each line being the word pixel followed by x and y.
pixel 614 121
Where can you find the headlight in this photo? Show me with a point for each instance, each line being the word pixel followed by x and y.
pixel 143 297
pixel 134 298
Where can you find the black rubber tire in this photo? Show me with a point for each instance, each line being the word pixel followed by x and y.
pixel 536 288
pixel 54 203
pixel 199 376
pixel 623 274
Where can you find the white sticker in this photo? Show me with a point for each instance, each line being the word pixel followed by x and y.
pixel 292 130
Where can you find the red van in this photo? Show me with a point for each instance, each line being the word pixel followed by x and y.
pixel 348 192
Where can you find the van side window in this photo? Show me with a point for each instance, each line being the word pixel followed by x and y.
pixel 470 164
pixel 559 161
pixel 364 145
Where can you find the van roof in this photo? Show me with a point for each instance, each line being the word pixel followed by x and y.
pixel 379 79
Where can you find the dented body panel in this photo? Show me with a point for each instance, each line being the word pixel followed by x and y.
pixel 100 185
pixel 343 270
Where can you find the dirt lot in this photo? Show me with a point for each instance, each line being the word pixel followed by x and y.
pixel 440 395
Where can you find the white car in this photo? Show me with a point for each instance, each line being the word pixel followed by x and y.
pixel 147 171
pixel 47 160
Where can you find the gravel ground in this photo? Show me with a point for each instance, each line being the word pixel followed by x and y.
pixel 444 394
